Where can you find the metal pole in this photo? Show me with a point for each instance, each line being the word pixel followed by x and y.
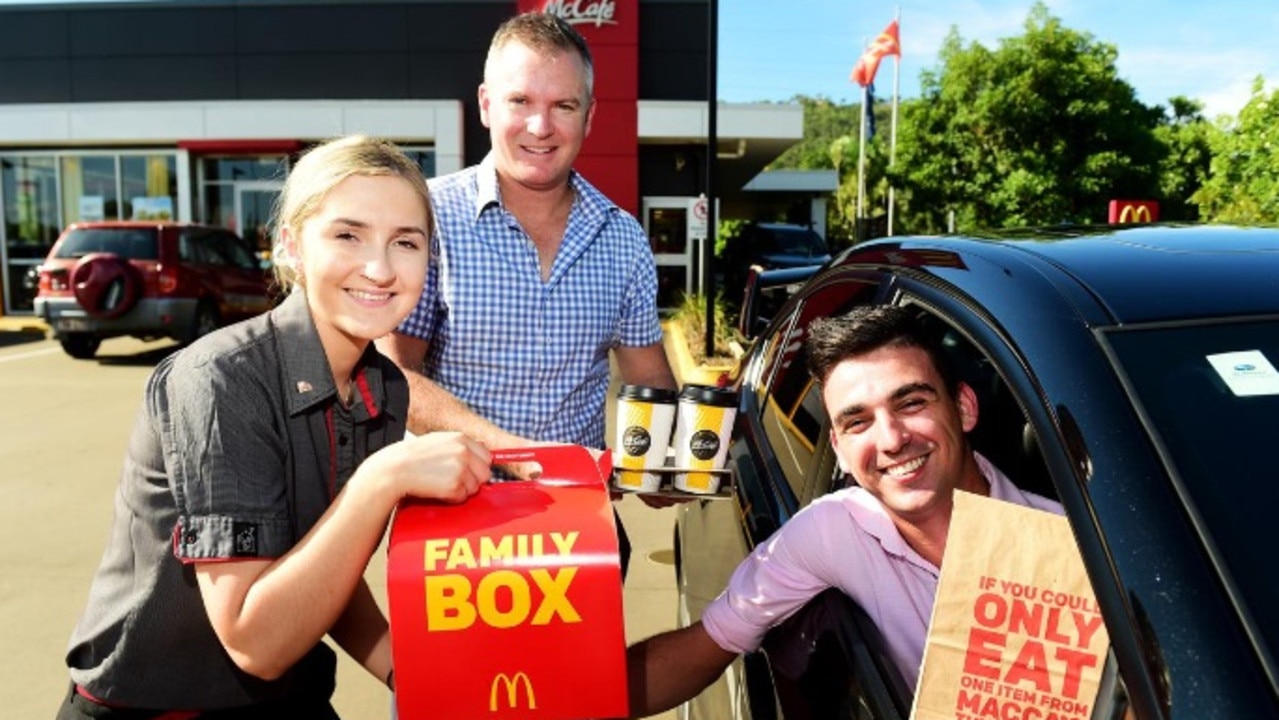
pixel 712 145
pixel 892 143
pixel 860 233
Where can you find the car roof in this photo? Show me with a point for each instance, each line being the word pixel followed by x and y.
pixel 1110 274
pixel 107 224
pixel 781 226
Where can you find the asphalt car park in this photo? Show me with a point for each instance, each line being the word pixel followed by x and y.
pixel 1127 372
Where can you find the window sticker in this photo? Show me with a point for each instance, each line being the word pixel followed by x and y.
pixel 1246 373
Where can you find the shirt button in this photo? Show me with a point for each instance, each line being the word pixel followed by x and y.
pixel 343 440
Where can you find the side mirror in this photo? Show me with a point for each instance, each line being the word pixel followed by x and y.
pixel 766 292
pixel 749 313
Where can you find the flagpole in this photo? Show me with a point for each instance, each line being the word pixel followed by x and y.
pixel 861 168
pixel 892 133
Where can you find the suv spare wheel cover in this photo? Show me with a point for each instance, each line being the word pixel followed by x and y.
pixel 105 285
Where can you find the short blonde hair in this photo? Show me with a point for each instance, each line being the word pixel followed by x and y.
pixel 320 170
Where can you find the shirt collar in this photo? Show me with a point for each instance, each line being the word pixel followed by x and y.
pixel 308 379
pixel 594 205
pixel 874 519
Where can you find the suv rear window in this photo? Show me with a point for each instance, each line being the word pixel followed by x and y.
pixel 796 242
pixel 128 243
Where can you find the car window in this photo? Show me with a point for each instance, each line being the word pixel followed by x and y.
pixel 1004 434
pixel 192 247
pixel 791 409
pixel 1209 394
pixel 796 241
pixel 128 243
pixel 233 251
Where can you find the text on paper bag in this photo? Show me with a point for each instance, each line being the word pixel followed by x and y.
pixel 1042 632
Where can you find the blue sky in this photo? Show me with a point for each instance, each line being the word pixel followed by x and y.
pixel 1210 51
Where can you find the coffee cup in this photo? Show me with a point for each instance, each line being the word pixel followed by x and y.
pixel 704 423
pixel 645 416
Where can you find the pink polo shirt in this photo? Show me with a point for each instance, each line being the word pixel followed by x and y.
pixel 867 559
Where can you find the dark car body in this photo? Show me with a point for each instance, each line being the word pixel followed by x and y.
pixel 1111 368
pixel 771 246
pixel 149 280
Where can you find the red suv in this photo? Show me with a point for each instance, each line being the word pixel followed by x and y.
pixel 148 280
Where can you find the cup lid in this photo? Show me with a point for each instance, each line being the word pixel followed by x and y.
pixel 647 394
pixel 708 395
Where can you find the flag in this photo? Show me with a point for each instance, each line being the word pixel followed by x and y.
pixel 870 111
pixel 887 43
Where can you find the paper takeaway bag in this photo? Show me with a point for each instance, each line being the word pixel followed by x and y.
pixel 510 604
pixel 1016 632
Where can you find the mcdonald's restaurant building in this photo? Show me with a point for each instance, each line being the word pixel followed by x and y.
pixel 195 109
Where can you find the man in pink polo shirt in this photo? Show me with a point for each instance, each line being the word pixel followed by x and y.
pixel 899 418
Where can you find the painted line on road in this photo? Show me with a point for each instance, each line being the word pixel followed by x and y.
pixel 26 355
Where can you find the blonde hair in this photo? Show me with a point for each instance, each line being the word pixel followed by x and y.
pixel 320 170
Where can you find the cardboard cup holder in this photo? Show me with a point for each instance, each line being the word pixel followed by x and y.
pixel 668 472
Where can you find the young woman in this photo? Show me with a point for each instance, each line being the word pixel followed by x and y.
pixel 265 463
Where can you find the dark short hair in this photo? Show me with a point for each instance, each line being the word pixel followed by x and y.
pixel 546 33
pixel 867 328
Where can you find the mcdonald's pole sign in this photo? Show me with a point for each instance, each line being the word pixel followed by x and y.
pixel 1133 211
pixel 510 605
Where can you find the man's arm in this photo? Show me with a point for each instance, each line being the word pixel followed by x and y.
pixel 645 365
pixel 668 669
pixel 431 407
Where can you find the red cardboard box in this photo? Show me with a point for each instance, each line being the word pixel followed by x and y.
pixel 510 604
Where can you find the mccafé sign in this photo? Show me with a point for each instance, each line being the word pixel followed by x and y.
pixel 583 12
pixel 509 605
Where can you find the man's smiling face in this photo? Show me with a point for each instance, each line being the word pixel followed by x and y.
pixel 538 110
pixel 896 428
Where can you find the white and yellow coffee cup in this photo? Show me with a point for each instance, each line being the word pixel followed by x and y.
pixel 703 425
pixel 643 434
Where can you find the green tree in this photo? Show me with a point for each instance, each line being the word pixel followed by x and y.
pixel 1187 138
pixel 1243 186
pixel 824 122
pixel 1039 131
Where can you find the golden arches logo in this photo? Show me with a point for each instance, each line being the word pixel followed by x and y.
pixel 1135 214
pixel 512 684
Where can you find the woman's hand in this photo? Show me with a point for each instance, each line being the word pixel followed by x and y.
pixel 445 466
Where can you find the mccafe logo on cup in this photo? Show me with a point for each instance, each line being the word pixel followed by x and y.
pixel 645 416
pixel 704 444
pixel 636 441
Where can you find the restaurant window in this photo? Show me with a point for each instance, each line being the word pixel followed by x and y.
pixel 150 186
pixel 29 188
pixel 89 188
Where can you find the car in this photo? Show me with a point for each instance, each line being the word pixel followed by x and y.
pixel 148 280
pixel 1127 372
pixel 771 246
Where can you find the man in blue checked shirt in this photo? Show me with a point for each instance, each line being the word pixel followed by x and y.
pixel 535 276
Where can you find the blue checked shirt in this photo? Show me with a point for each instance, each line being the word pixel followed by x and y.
pixel 532 356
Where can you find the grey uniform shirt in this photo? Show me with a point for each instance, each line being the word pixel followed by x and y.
pixel 239 448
